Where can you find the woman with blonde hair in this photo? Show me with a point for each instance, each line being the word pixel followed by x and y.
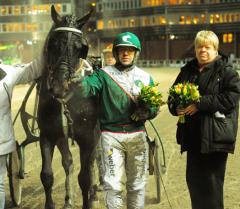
pixel 210 128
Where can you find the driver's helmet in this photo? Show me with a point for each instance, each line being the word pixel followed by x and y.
pixel 126 39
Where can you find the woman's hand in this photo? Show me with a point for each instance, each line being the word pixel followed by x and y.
pixel 191 109
pixel 180 111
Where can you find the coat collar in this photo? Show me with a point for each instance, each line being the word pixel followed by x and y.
pixel 219 61
pixel 2 74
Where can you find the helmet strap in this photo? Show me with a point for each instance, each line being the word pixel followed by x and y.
pixel 122 67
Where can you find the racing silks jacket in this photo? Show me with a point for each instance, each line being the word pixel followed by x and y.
pixel 117 91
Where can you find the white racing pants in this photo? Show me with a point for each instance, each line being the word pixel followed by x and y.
pixel 125 163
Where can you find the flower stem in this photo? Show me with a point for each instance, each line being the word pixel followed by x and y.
pixel 181 119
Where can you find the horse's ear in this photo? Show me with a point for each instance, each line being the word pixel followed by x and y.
pixel 55 16
pixel 83 20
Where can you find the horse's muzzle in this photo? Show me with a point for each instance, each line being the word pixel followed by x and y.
pixel 59 89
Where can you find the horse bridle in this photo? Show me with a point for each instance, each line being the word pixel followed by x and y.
pixel 52 68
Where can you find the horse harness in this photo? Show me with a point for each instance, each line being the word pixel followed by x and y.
pixel 63 101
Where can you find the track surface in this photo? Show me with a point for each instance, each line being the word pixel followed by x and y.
pixel 174 179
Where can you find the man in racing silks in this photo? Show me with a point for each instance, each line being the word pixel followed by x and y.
pixel 123 141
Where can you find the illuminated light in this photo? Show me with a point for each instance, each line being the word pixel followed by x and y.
pixel 58 7
pixel 100 24
pixel 93 4
pixel 29 42
pixel 211 19
pixel 172 37
pixel 224 38
pixel 172 2
pixel 182 19
pixel 16 10
pixel 195 20
pixel 29 10
pixel 163 20
pixel 227 38
pixel 5 47
pixel 203 18
pixel 189 20
pixel 4 11
pixel 230 38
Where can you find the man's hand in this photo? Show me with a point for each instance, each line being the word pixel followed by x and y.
pixel 77 79
pixel 141 114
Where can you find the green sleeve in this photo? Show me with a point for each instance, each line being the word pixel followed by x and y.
pixel 92 85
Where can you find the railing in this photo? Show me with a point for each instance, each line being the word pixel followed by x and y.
pixel 176 63
pixel 161 63
pixel 236 63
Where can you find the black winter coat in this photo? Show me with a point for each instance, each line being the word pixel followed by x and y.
pixel 219 87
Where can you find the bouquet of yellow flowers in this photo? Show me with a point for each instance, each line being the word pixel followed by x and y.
pixel 184 94
pixel 149 97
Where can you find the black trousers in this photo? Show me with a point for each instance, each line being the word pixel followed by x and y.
pixel 205 178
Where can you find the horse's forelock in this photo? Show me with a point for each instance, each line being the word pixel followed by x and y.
pixel 71 21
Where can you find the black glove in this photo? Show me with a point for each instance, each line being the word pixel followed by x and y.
pixel 142 114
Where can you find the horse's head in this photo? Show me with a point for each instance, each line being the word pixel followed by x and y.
pixel 63 49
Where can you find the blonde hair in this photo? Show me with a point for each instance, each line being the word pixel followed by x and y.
pixel 206 37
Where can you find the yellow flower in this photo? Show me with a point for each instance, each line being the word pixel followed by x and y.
pixel 185 90
pixel 154 90
pixel 195 95
pixel 184 94
pixel 150 96
pixel 178 89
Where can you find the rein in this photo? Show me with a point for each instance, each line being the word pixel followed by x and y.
pixel 64 101
pixel 66 112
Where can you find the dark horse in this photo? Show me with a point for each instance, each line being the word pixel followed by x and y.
pixel 59 117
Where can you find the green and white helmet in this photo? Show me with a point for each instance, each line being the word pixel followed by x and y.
pixel 127 39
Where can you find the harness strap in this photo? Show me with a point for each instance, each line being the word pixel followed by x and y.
pixel 69 127
pixel 75 30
